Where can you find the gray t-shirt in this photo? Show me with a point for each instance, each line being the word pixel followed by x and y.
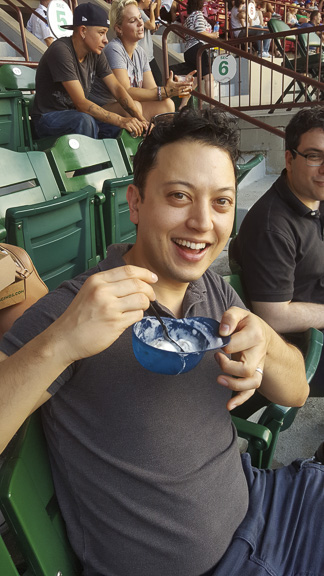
pixel 146 466
pixel 146 43
pixel 60 64
pixel 118 58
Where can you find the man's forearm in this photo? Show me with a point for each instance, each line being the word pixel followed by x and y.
pixel 285 317
pixel 100 113
pixel 126 101
pixel 284 380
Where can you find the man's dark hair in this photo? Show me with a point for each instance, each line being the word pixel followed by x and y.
pixel 211 127
pixel 313 15
pixel 193 5
pixel 305 120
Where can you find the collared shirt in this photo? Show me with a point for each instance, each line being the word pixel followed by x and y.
pixel 37 27
pixel 280 248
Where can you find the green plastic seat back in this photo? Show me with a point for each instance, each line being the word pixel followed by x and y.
pixel 274 417
pixel 276 25
pixel 118 226
pixel 29 504
pixel 12 126
pixel 58 235
pixel 25 178
pixel 17 77
pixel 128 147
pixel 78 161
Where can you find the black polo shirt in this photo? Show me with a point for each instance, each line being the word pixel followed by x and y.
pixel 280 248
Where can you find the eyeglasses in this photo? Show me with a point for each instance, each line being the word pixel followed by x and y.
pixel 312 159
pixel 165 118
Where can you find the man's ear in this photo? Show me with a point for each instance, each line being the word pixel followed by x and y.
pixel 133 199
pixel 288 159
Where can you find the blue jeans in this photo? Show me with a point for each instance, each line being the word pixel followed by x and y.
pixel 263 46
pixel 72 122
pixel 281 534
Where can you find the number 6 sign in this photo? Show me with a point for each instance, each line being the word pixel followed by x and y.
pixel 224 68
pixel 59 14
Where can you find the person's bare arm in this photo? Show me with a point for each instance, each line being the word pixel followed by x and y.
pixel 107 304
pixel 48 41
pixel 254 344
pixel 150 24
pixel 212 35
pixel 149 92
pixel 123 97
pixel 289 316
pixel 157 8
pixel 82 104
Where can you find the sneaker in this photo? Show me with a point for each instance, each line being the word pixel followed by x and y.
pixel 265 55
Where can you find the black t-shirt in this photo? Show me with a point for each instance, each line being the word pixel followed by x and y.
pixel 280 248
pixel 60 64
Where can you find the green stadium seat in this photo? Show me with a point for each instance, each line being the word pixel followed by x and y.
pixel 17 77
pixel 128 147
pixel 296 88
pixel 25 178
pixel 15 133
pixel 77 161
pixel 29 505
pixel 58 235
pixel 20 78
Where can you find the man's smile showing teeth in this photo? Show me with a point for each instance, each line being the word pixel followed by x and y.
pixel 191 245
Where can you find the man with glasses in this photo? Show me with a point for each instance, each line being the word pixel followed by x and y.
pixel 146 466
pixel 280 243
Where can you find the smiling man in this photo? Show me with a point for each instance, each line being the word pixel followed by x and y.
pixel 146 466
pixel 280 243
pixel 64 78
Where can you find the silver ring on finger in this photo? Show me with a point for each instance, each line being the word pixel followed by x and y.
pixel 259 370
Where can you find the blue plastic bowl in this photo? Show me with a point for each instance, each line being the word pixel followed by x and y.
pixel 203 333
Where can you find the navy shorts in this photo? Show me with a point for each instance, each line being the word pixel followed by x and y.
pixel 282 533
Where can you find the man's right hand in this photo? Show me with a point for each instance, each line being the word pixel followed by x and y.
pixel 133 125
pixel 107 304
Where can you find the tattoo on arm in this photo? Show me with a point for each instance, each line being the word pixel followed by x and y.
pixel 124 104
pixel 100 113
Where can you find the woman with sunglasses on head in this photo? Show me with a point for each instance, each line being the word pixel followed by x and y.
pixel 130 65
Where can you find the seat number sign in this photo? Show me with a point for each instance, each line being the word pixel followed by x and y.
pixel 224 68
pixel 59 14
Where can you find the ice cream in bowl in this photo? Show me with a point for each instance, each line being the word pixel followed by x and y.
pixel 194 335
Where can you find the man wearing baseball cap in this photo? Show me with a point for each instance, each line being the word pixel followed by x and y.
pixel 64 77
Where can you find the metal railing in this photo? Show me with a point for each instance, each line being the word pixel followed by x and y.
pixel 259 84
pixel 291 81
pixel 23 49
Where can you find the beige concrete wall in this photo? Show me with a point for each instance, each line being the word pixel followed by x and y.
pixel 254 139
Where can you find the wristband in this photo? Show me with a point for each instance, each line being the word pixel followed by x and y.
pixel 159 93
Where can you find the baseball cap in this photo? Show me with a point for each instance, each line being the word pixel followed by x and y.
pixel 88 14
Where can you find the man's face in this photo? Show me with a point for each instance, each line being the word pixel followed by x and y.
pixel 307 182
pixel 317 19
pixel 187 213
pixel 95 38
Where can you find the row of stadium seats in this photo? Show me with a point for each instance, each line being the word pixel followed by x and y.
pixel 65 204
